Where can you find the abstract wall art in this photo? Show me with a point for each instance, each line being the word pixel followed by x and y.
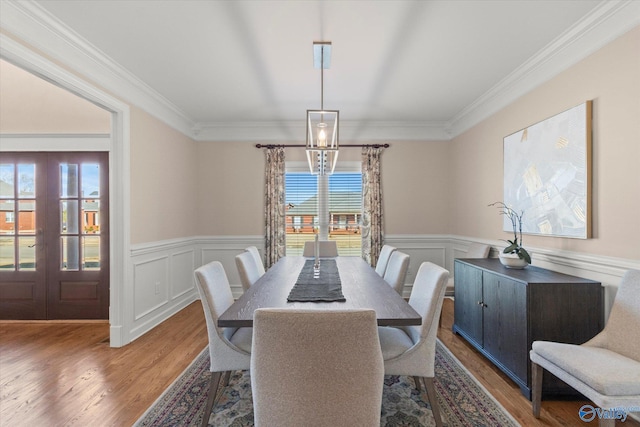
pixel 547 174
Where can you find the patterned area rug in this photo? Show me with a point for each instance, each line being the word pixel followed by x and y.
pixel 463 400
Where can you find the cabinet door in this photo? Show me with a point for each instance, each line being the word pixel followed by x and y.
pixel 467 302
pixel 505 322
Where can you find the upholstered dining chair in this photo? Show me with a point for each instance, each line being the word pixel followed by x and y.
pixel 396 271
pixel 316 368
pixel 257 258
pixel 383 259
pixel 327 248
pixel 411 350
pixel 229 348
pixel 248 269
pixel 605 369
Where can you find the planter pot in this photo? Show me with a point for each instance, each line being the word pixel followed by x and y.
pixel 512 261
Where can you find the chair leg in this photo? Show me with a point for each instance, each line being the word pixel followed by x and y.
pixel 433 400
pixel 536 388
pixel 417 381
pixel 213 390
pixel 225 381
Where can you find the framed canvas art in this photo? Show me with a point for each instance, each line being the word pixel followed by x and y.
pixel 547 174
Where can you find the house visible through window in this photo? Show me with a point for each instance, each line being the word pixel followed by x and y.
pixel 343 202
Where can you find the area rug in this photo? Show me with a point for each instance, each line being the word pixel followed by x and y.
pixel 463 400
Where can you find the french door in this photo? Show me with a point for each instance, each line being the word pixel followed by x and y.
pixel 54 235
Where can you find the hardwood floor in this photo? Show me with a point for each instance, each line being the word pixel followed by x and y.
pixel 65 374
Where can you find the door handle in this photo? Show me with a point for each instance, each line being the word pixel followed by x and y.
pixel 38 234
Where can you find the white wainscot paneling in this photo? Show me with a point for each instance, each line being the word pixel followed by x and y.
pixel 420 249
pixel 182 266
pixel 151 278
pixel 225 249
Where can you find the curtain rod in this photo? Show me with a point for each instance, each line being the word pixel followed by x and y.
pixel 270 146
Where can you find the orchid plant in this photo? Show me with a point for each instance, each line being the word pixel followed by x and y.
pixel 515 246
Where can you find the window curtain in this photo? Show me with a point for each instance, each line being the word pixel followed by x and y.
pixel 372 216
pixel 274 206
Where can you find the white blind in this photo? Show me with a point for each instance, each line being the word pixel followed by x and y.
pixel 344 206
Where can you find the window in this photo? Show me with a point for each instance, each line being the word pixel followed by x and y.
pixel 340 196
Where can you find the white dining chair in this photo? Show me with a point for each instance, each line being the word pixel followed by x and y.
pixel 396 271
pixel 247 269
pixel 605 369
pixel 411 350
pixel 229 348
pixel 316 368
pixel 383 259
pixel 257 258
pixel 327 248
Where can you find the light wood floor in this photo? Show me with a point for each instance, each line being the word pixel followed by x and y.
pixel 65 374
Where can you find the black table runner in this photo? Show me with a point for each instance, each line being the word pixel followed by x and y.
pixel 324 288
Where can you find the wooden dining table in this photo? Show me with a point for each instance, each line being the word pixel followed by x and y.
pixel 362 288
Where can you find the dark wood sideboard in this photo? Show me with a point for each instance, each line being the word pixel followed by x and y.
pixel 502 311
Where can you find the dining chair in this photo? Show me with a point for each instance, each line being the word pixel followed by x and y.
pixel 248 269
pixel 316 368
pixel 327 248
pixel 411 350
pixel 396 271
pixel 229 348
pixel 605 369
pixel 383 259
pixel 258 259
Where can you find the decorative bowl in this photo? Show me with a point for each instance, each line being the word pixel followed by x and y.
pixel 512 261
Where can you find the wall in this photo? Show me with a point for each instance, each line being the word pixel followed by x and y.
pixel 164 181
pixel 32 105
pixel 609 77
pixel 230 189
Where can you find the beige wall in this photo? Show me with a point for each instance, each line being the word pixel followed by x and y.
pixel 609 77
pixel 231 177
pixel 164 181
pixel 230 188
pixel 32 105
pixel 416 187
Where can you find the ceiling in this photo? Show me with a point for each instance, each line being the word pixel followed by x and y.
pixel 402 69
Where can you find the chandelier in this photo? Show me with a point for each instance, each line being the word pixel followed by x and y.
pixel 322 125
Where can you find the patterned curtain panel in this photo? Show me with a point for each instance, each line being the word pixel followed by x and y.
pixel 372 216
pixel 274 206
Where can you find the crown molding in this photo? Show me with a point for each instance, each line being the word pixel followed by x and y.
pixel 294 131
pixel 37 27
pixel 608 21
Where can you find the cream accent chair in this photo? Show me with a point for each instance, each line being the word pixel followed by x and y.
pixel 316 368
pixel 258 259
pixel 605 369
pixel 229 348
pixel 383 259
pixel 248 269
pixel 327 248
pixel 411 350
pixel 396 271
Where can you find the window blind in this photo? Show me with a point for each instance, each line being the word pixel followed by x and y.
pixel 344 205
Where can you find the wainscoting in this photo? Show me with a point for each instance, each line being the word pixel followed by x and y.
pixel 163 281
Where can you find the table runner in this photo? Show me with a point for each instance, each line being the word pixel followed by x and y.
pixel 324 288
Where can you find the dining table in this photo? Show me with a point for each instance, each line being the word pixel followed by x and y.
pixel 361 287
